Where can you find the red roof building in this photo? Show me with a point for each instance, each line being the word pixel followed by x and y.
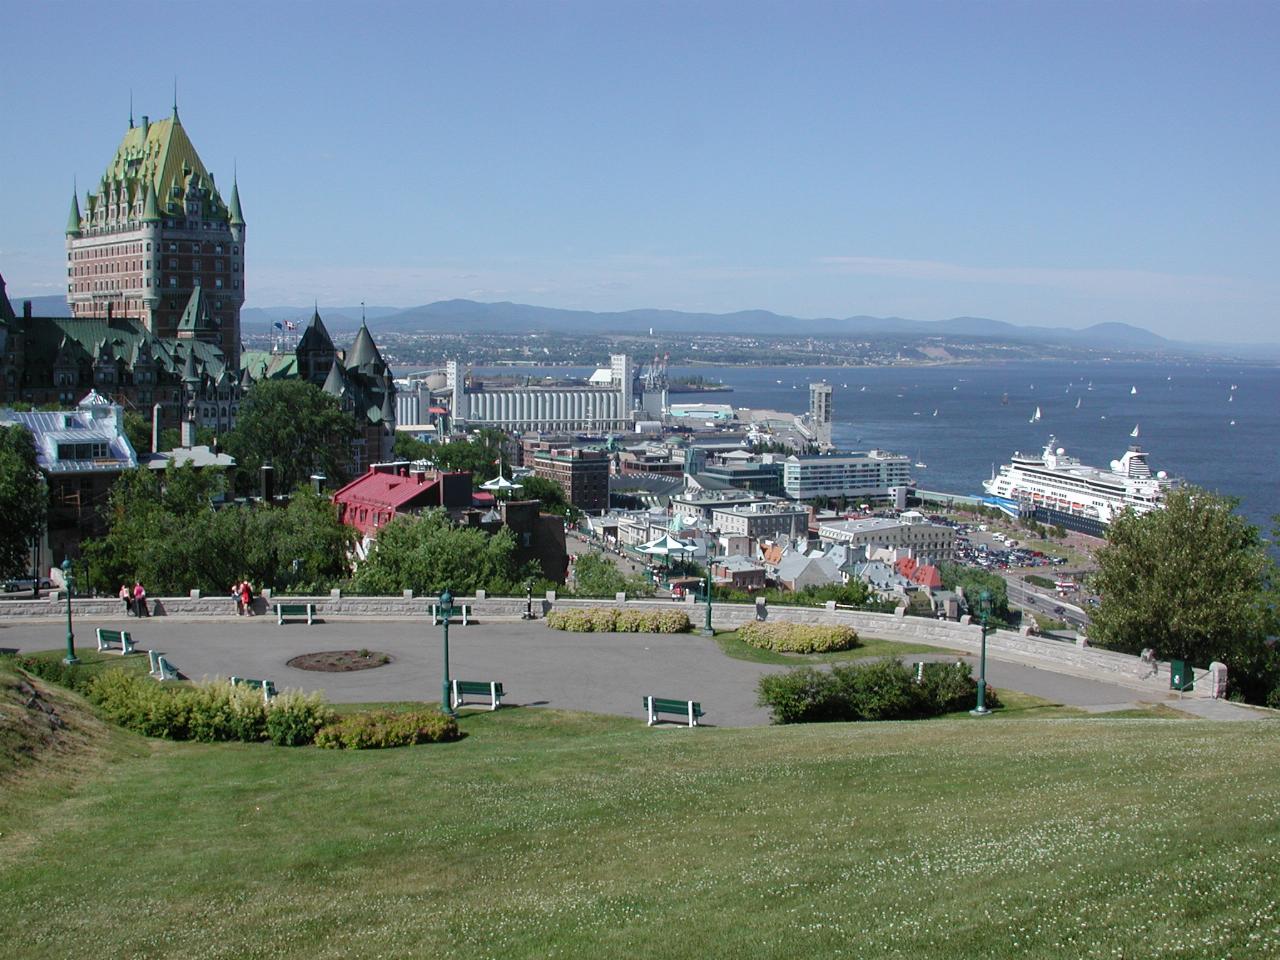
pixel 925 574
pixel 389 490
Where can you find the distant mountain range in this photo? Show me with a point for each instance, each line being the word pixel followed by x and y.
pixel 457 316
pixel 461 316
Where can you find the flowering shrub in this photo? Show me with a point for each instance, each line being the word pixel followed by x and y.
pixel 377 729
pixel 783 637
pixel 618 620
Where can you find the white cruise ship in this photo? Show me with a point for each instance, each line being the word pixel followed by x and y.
pixel 1062 490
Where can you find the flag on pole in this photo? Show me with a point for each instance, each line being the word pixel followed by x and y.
pixel 290 325
pixel 278 325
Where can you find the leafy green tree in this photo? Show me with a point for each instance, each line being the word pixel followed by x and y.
pixel 973 581
pixel 295 426
pixel 428 553
pixel 1193 581
pixel 164 530
pixel 22 498
pixel 411 448
pixel 550 493
pixel 597 576
pixel 138 429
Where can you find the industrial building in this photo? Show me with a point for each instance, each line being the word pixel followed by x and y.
pixel 605 403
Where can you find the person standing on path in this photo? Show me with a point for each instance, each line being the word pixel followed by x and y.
pixel 235 595
pixel 246 598
pixel 126 595
pixel 140 599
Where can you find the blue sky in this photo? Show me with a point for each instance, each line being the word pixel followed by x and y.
pixel 1040 163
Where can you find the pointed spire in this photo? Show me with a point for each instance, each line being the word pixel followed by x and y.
pixel 189 374
pixel 151 208
pixel 237 218
pixel 175 98
pixel 333 383
pixel 364 354
pixel 73 218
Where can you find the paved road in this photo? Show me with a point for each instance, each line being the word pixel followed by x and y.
pixel 602 673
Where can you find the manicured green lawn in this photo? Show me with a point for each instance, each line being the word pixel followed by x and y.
pixel 732 646
pixel 553 834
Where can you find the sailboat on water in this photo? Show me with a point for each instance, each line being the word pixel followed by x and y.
pixel 1133 391
pixel 1035 417
pixel 1078 399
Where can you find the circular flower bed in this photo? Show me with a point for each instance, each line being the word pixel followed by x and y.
pixel 341 661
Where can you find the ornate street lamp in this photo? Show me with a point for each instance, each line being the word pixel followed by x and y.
pixel 528 600
pixel 984 615
pixel 71 657
pixel 706 630
pixel 446 611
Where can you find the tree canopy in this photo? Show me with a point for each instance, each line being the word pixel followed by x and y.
pixel 164 530
pixel 597 576
pixel 22 498
pixel 1193 581
pixel 428 553
pixel 295 426
pixel 973 581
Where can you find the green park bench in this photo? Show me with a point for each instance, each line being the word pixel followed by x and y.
pixel 690 710
pixel 268 687
pixel 161 668
pixel 476 688
pixel 462 610
pixel 285 611
pixel 115 640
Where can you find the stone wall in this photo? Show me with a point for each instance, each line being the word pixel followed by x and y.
pixel 1054 655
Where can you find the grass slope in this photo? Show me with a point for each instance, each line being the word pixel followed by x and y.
pixel 550 834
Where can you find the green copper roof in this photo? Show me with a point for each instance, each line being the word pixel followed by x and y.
pixel 364 355
pixel 333 383
pixel 315 337
pixel 196 316
pixel 237 218
pixel 151 211
pixel 73 220
pixel 158 154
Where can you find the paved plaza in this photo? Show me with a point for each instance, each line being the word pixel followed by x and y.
pixel 600 673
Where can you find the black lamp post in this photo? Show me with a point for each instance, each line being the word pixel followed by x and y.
pixel 71 657
pixel 528 600
pixel 984 615
pixel 446 611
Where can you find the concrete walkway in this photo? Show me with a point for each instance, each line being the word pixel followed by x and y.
pixel 600 673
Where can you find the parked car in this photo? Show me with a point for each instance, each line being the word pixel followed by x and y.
pixel 24 583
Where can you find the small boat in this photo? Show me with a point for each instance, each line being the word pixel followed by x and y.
pixel 777 381
pixel 1004 399
pixel 1035 417
pixel 1134 432
pixel 921 465
pixel 935 411
pixel 1235 387
pixel 1232 423
pixel 863 388
pixel 1090 386
pixel 1133 391
pixel 1078 399
pixel 1231 398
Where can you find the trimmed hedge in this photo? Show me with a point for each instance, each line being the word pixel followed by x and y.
pixel 376 729
pixel 783 637
pixel 618 620
pixel 884 690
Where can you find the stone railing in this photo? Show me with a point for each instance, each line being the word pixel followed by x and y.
pixel 1055 655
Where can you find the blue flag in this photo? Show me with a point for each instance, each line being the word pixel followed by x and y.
pixel 278 325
